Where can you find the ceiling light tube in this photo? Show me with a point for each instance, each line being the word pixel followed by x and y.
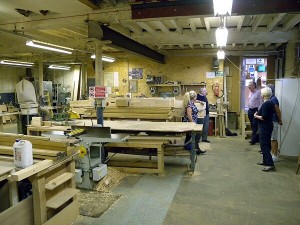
pixel 222 7
pixel 104 58
pixel 221 54
pixel 57 67
pixel 16 63
pixel 221 36
pixel 47 46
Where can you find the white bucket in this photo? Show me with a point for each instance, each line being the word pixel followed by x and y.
pixel 23 153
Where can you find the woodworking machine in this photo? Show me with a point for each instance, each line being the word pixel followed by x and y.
pixel 90 165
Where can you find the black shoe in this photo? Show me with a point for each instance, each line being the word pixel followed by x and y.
pixel 252 143
pixel 260 151
pixel 269 168
pixel 261 163
pixel 199 151
pixel 207 141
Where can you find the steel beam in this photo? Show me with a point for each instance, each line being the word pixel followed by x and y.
pixel 128 44
pixel 205 7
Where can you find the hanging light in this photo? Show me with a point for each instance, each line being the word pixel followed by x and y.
pixel 104 58
pixel 221 54
pixel 221 36
pixel 58 67
pixel 222 7
pixel 16 63
pixel 48 46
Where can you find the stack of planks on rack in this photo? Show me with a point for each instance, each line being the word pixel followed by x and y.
pixel 43 147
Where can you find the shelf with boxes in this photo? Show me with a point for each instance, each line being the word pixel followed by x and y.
pixel 176 88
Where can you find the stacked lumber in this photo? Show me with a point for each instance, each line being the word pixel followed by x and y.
pixel 133 112
pixel 143 108
pixel 83 106
pixel 43 147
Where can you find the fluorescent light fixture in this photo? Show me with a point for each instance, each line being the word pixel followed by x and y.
pixel 16 63
pixel 57 67
pixel 221 36
pixel 48 46
pixel 104 58
pixel 221 54
pixel 222 7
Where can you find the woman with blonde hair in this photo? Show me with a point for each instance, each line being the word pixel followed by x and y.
pixel 265 126
pixel 191 115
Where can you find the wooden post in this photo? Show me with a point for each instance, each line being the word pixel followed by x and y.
pixel 39 201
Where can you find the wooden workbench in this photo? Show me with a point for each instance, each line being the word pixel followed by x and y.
pixel 53 199
pixel 155 128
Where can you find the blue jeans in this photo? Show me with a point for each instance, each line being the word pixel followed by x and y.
pixel 205 122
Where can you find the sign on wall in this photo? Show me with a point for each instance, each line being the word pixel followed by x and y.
pixel 97 92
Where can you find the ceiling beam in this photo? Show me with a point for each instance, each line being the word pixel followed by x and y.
pixel 275 21
pixel 192 25
pixel 240 23
pixel 205 7
pixel 207 24
pixel 174 24
pixel 125 43
pixel 146 27
pixel 255 44
pixel 292 22
pixel 89 4
pixel 267 44
pixel 257 22
pixel 161 26
pixel 132 26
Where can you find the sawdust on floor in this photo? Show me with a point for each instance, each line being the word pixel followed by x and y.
pixel 112 179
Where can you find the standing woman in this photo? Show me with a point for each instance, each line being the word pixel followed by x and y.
pixel 265 126
pixel 191 115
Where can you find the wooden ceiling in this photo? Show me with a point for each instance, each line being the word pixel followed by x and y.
pixel 186 27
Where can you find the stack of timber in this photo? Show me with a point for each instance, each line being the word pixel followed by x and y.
pixel 142 109
pixel 83 107
pixel 43 147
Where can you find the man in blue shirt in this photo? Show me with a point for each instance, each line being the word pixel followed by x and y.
pixel 276 121
pixel 202 98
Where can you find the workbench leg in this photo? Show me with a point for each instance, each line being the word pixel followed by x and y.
pixel 13 193
pixel 1 123
pixel 193 154
pixel 160 159
pixel 39 201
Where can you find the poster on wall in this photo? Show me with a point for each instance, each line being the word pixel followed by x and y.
pixel 111 79
pixel 135 73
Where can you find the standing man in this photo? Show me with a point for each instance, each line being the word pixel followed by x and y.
pixel 254 102
pixel 202 98
pixel 276 121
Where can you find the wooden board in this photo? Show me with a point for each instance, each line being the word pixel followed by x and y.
pixel 61 198
pixel 59 180
pixel 66 216
pixel 31 170
pixel 19 214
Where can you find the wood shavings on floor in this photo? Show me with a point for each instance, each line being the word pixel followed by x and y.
pixel 112 179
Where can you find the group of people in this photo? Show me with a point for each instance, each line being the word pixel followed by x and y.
pixel 265 116
pixel 191 115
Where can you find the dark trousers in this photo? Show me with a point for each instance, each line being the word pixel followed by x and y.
pixel 265 133
pixel 254 125
pixel 205 122
pixel 188 138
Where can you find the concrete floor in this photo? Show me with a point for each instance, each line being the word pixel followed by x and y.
pixel 227 188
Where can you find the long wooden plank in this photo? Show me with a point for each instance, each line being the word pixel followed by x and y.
pixel 65 216
pixel 31 170
pixel 59 180
pixel 136 115
pixel 19 214
pixel 61 198
pixel 8 150
pixel 136 110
